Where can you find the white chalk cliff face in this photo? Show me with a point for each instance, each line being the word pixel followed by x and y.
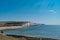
pixel 29 24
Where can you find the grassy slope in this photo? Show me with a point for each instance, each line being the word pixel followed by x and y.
pixel 3 37
pixel 11 22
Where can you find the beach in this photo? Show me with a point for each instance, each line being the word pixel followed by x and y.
pixel 11 27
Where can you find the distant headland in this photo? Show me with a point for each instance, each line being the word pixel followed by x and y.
pixel 15 24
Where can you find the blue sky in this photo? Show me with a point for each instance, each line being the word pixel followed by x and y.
pixel 39 11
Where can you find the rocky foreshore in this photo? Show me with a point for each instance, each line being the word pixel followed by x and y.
pixel 30 38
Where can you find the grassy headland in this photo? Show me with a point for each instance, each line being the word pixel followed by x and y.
pixel 12 23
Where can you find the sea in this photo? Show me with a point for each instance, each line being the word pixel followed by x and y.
pixel 46 31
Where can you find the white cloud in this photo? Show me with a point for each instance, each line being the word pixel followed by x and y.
pixel 52 11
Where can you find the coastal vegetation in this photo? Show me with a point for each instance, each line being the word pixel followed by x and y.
pixel 12 23
pixel 14 37
pixel 4 37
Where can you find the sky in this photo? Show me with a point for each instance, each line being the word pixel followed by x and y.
pixel 37 11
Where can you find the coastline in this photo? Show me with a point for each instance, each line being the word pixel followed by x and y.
pixel 11 27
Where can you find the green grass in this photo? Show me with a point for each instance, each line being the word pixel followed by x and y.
pixel 4 37
pixel 11 23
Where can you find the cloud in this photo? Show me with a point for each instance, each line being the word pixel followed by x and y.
pixel 52 11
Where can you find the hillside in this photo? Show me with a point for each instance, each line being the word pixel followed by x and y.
pixel 4 37
pixel 12 23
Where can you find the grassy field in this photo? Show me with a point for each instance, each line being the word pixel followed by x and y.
pixel 4 37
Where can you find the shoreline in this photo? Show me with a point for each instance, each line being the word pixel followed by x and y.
pixel 11 27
